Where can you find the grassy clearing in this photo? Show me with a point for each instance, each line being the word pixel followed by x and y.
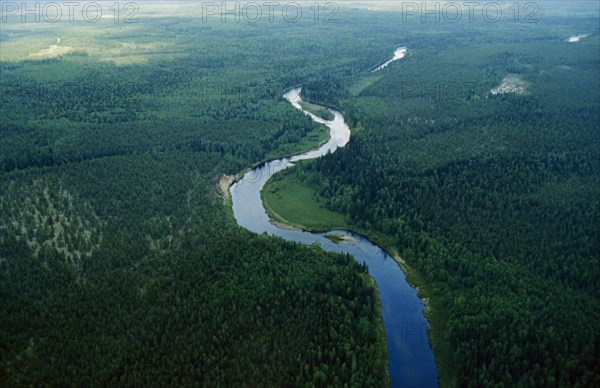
pixel 362 83
pixel 289 201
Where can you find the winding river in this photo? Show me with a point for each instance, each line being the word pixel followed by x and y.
pixel 411 361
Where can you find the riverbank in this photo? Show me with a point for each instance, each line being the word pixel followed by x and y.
pixel 290 202
pixel 311 140
pixel 317 110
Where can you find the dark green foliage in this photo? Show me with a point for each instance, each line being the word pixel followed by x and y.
pixel 120 262
pixel 170 291
pixel 493 198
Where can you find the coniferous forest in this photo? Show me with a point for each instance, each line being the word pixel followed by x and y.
pixel 493 199
pixel 121 262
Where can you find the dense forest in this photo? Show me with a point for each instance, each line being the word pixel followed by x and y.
pixel 155 285
pixel 492 198
pixel 121 263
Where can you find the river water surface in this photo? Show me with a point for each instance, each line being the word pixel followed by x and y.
pixel 411 358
